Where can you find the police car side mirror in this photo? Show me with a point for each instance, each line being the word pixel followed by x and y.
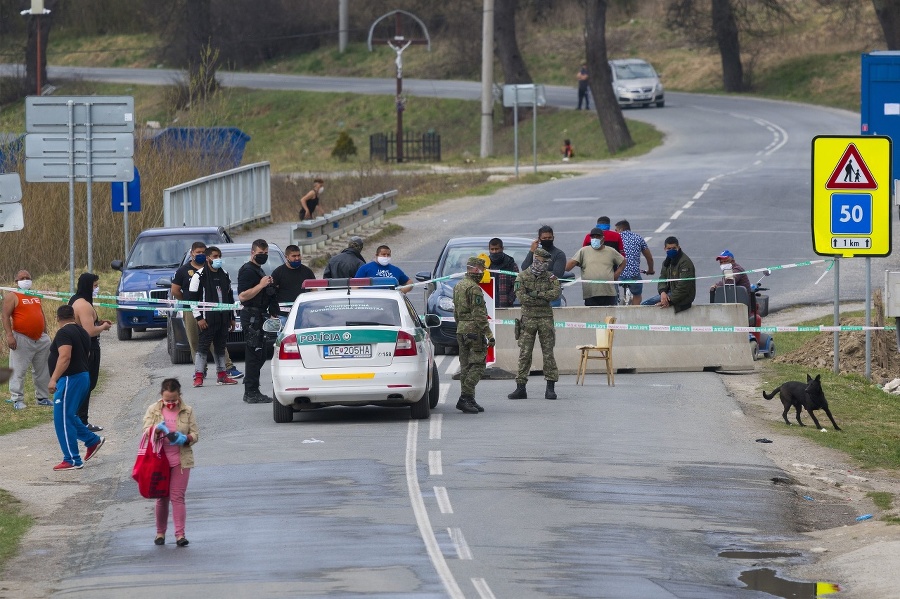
pixel 432 320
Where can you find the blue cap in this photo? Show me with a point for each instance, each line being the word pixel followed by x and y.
pixel 725 254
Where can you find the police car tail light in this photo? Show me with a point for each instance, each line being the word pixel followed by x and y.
pixel 406 345
pixel 289 349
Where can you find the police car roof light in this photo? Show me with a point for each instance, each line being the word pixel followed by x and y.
pixel 386 282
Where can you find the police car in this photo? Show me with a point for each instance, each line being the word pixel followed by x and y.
pixel 354 342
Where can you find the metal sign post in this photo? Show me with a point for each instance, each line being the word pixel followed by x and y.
pixel 524 94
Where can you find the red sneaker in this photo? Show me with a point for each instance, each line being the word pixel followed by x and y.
pixel 67 466
pixel 92 449
pixel 198 379
pixel 223 379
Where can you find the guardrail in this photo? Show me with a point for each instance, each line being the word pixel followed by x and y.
pixel 232 198
pixel 312 235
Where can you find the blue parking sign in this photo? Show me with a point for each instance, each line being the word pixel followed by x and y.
pixel 851 214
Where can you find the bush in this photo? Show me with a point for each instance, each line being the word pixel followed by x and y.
pixel 344 147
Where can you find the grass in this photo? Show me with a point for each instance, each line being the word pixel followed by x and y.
pixel 13 526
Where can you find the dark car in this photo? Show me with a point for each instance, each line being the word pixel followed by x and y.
pixel 234 255
pixel 439 296
pixel 156 254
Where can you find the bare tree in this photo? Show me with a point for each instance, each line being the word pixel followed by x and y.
pixel 615 130
pixel 505 44
pixel 888 13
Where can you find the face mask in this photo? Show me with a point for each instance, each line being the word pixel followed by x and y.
pixel 596 243
pixel 495 257
pixel 200 259
pixel 295 263
pixel 603 227
pixel 96 291
pixel 24 284
pixel 217 263
pixel 383 260
pixel 475 276
pixel 547 244
pixel 671 254
pixel 538 266
pixel 171 406
pixel 261 258
pixel 321 189
pixel 725 266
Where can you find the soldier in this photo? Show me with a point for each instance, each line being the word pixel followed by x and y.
pixel 472 332
pixel 536 288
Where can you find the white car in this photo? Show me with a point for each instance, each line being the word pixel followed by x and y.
pixel 354 342
pixel 636 83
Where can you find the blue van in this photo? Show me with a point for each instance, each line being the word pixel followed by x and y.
pixel 156 254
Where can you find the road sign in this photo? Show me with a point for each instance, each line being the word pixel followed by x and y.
pixel 10 188
pixel 11 218
pixel 851 195
pixel 56 170
pixel 134 194
pixel 107 114
pixel 523 94
pixel 56 145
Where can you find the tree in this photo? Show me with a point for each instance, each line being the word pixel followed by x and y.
pixel 199 47
pixel 608 110
pixel 888 13
pixel 505 44
pixel 38 33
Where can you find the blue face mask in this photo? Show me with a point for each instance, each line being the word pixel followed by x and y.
pixel 596 243
pixel 671 254
pixel 295 264
pixel 603 227
pixel 200 259
pixel 217 263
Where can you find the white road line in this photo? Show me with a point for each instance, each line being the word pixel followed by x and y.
pixel 424 523
pixel 435 466
pixel 576 199
pixel 676 215
pixel 444 390
pixel 711 179
pixel 704 187
pixel 443 500
pixel 453 366
pixel 688 205
pixel 434 426
pixel 662 227
pixel 698 195
pixel 459 541
pixel 484 591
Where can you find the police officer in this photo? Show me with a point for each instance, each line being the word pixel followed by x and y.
pixel 256 290
pixel 536 287
pixel 472 333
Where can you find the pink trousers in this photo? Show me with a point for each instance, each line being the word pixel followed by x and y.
pixel 178 483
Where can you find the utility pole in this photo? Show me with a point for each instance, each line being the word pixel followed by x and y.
pixel 343 24
pixel 37 9
pixel 487 80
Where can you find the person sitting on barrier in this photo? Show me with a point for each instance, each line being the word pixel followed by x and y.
pixel 680 292
pixel 727 263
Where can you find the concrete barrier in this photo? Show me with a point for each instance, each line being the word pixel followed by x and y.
pixel 352 219
pixel 640 351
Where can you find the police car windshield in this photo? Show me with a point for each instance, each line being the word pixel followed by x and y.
pixel 348 312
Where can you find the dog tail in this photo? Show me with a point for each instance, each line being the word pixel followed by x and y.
pixel 773 393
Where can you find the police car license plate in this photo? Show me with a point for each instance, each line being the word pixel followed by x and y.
pixel 347 351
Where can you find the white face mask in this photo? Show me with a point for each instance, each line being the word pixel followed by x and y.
pixel 321 189
pixel 383 260
pixel 24 284
pixel 96 291
pixel 725 266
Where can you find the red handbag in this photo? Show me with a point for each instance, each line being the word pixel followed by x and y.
pixel 151 468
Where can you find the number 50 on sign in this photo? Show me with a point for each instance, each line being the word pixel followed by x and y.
pixel 851 195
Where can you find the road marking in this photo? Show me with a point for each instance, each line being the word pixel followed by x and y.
pixel 704 187
pixel 698 195
pixel 435 467
pixel 484 591
pixel 676 215
pixel 688 205
pixel 445 389
pixel 576 199
pixel 452 366
pixel 662 227
pixel 757 163
pixel 459 541
pixel 424 523
pixel 434 426
pixel 443 500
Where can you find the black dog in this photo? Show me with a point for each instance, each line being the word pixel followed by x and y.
pixel 806 395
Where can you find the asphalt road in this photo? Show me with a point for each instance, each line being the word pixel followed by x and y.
pixel 620 492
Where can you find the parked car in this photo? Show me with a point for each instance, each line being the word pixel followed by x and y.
pixel 234 255
pixel 155 255
pixel 354 346
pixel 439 296
pixel 636 83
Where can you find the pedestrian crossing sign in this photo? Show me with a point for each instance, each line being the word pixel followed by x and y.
pixel 851 195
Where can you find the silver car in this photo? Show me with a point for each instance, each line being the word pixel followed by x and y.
pixel 636 83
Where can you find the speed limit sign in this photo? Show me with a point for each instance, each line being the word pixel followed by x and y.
pixel 851 195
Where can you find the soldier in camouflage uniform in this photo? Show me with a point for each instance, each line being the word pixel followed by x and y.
pixel 472 332
pixel 536 287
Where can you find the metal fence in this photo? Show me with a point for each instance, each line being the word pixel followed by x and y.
pixel 231 198
pixel 419 147
pixel 352 219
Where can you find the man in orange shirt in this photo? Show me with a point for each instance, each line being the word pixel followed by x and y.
pixel 29 344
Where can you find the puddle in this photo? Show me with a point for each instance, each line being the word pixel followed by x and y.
pixel 767 581
pixel 757 554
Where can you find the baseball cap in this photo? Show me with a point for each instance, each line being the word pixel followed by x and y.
pixel 725 254
pixel 596 231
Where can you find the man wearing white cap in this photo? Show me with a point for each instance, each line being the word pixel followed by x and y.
pixel 726 263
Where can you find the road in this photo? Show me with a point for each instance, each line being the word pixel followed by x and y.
pixel 629 491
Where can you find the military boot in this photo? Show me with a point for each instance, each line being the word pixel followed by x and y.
pixel 466 404
pixel 550 393
pixel 476 404
pixel 519 393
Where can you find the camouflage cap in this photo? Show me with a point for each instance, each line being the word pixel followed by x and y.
pixel 542 254
pixel 475 261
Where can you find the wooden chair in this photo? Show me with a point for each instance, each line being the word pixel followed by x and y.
pixel 603 349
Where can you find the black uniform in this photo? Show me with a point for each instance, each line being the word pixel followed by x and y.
pixel 254 313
